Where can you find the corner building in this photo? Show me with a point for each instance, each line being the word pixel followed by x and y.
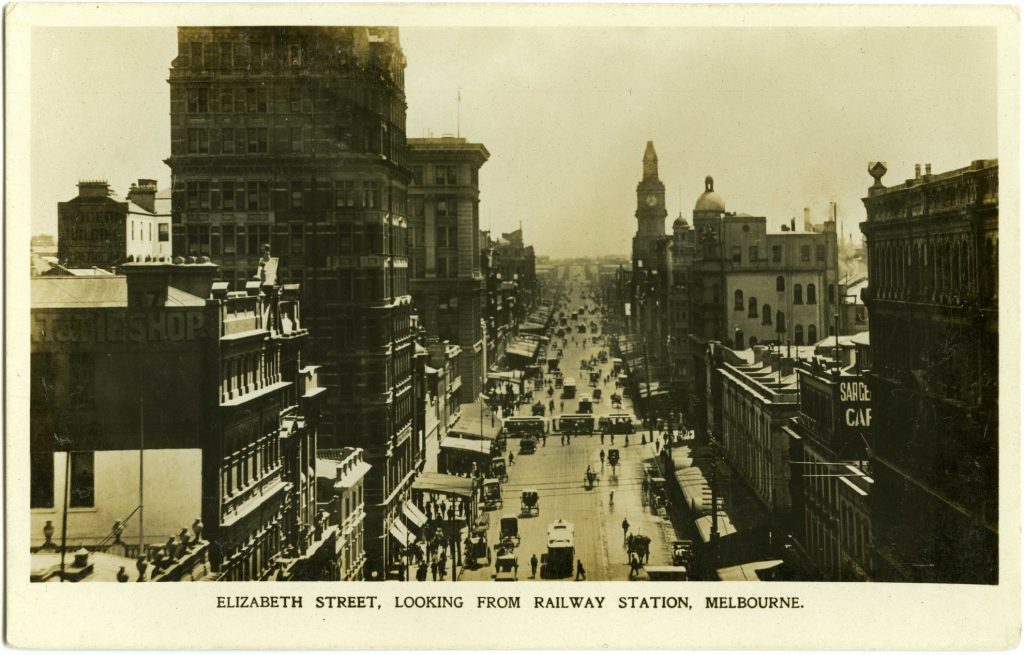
pixel 296 137
pixel 444 248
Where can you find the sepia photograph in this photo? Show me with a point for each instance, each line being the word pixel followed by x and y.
pixel 414 302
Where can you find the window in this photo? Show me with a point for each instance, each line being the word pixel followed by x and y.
pixel 798 335
pixel 766 315
pixel 812 295
pixel 198 141
pixel 798 294
pixel 294 54
pixel 344 193
pixel 256 101
pixel 163 231
pixel 417 175
pixel 751 252
pixel 805 253
pixel 780 283
pixel 831 293
pixel 256 139
pixel 226 52
pixel 198 101
pixel 227 100
pixel 83 491
pixel 738 300
pixel 297 245
pixel 227 196
pixel 296 139
pixel 445 175
pixel 819 252
pixel 780 322
pixel 776 254
pixel 296 194
pixel 196 54
pixel 41 479
pixel 737 254
pixel 257 197
pixel 812 334
pixel 197 195
pixel 227 140
pixel 752 307
pixel 447 207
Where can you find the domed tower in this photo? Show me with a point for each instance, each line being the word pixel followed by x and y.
pixel 650 207
pixel 707 215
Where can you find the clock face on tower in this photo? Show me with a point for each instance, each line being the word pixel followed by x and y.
pixel 651 200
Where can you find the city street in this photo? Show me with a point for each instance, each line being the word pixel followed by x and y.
pixel 557 472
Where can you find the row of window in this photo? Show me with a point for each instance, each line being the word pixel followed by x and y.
pixel 254 195
pixel 798 334
pixel 798 297
pixel 234 140
pixel 753 253
pixel 83 479
pixel 348 239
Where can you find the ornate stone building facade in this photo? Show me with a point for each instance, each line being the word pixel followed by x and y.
pixel 933 300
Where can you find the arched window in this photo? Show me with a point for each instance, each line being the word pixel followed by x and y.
pixel 798 294
pixel 780 322
pixel 739 340
pixel 812 334
pixel 766 315
pixel 812 296
pixel 753 341
pixel 798 335
pixel 780 283
pixel 738 296
pixel 752 307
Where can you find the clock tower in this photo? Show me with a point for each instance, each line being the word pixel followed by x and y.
pixel 650 209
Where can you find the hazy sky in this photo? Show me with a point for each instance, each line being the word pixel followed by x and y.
pixel 782 118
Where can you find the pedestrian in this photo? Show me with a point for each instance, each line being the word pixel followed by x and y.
pixel 544 440
pixel 625 529
pixel 602 440
pixel 511 459
pixel 444 509
pixel 421 572
pixel 561 439
pixel 433 570
pixel 442 564
pixel 580 573
pixel 611 499
pixel 613 438
pixel 657 446
pixel 533 565
pixel 122 575
pixel 602 458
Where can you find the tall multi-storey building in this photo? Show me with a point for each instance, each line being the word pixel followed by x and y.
pixel 295 136
pixel 163 383
pixel 95 229
pixel 444 248
pixel 933 300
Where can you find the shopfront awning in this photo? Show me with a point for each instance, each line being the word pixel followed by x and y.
pixel 725 526
pixel 441 483
pixel 401 533
pixel 476 446
pixel 416 518
pixel 476 422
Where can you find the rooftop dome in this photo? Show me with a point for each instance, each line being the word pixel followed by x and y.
pixel 709 201
pixel 680 222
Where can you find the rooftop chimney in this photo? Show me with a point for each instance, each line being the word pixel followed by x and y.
pixel 917 171
pixel 807 219
pixel 93 189
pixel 792 224
pixel 928 170
pixel 143 194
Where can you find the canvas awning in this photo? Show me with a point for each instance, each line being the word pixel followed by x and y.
pixel 413 513
pixel 401 533
pixel 477 446
pixel 725 526
pixel 476 423
pixel 441 483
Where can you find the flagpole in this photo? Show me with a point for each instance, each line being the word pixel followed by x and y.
pixel 142 449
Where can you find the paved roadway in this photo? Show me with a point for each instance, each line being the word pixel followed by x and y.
pixel 557 472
